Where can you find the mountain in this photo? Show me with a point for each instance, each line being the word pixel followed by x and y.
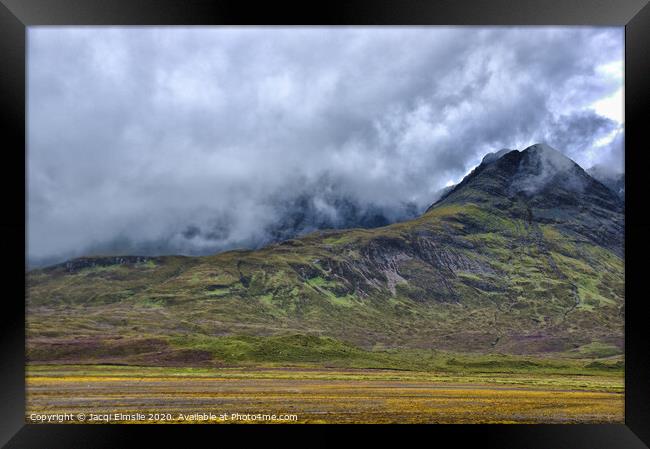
pixel 523 256
pixel 541 185
pixel 307 213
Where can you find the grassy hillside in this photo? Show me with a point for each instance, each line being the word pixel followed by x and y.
pixel 458 278
pixel 485 270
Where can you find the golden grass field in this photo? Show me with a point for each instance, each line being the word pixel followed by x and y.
pixel 320 395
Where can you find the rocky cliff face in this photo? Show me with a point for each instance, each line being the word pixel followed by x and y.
pixel 525 255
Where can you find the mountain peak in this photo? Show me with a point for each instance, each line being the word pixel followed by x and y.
pixel 508 173
pixel 552 158
pixel 543 148
pixel 538 171
pixel 491 157
pixel 541 166
pixel 543 185
pixel 538 150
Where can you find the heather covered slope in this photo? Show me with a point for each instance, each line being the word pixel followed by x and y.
pixel 524 256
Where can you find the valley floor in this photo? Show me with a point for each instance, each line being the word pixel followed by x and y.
pixel 98 394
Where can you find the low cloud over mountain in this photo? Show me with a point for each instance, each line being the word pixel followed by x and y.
pixel 171 140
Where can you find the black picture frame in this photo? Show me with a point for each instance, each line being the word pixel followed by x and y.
pixel 16 15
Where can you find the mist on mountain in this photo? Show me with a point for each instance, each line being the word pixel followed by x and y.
pixel 612 179
pixel 539 168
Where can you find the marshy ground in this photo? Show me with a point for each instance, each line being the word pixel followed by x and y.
pixel 322 395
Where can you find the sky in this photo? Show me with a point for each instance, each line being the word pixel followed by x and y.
pixel 172 140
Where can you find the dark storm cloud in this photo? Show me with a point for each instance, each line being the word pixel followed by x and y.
pixel 194 140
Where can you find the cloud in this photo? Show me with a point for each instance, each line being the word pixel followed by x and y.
pixel 579 132
pixel 610 157
pixel 193 140
pixel 543 165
